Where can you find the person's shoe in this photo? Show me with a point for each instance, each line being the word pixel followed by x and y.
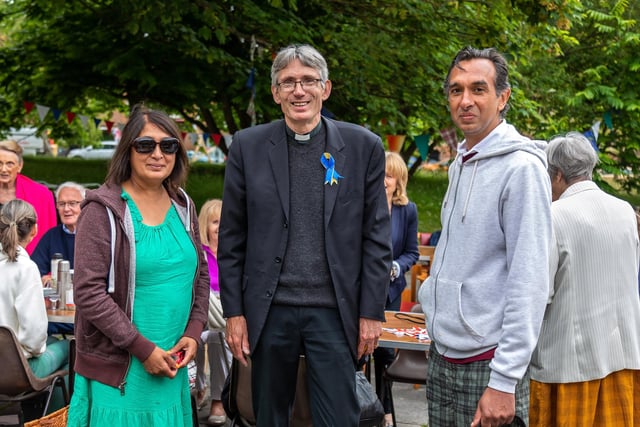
pixel 217 420
pixel 200 398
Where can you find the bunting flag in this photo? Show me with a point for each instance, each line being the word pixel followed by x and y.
pixel 451 138
pixel 395 142
pixel 42 111
pixel 216 138
pixel 608 122
pixel 592 135
pixel 422 142
pixel 28 106
pixel 70 116
pixel 205 138
pixel 83 119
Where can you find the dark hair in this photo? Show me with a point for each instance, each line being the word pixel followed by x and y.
pixel 120 165
pixel 501 81
pixel 17 219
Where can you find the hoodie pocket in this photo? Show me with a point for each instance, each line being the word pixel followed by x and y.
pixel 450 322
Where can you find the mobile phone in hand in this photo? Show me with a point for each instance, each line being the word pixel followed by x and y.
pixel 178 356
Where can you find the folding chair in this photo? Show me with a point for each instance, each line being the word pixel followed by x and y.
pixel 17 382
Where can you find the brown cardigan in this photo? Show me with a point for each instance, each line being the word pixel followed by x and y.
pixel 105 336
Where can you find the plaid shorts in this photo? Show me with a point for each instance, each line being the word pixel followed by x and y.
pixel 453 391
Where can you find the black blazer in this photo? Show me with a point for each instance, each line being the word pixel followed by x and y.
pixel 253 230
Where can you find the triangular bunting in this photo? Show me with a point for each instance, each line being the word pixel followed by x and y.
pixel 216 138
pixel 395 142
pixel 28 106
pixel 42 111
pixel 450 137
pixel 422 142
pixel 83 119
pixel 56 114
pixel 608 122
pixel 109 125
pixel 70 116
pixel 96 121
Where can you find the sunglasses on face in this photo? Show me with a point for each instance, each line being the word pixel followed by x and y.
pixel 146 145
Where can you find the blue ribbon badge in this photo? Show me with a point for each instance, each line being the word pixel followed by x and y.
pixel 332 176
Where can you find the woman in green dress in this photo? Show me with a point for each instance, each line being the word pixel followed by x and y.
pixel 141 284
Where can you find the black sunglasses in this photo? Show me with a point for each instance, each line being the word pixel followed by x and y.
pixel 146 145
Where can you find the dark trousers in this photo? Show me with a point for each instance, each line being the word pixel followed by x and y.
pixel 383 357
pixel 316 332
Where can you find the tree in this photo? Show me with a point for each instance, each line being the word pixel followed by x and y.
pixel 195 57
pixel 571 61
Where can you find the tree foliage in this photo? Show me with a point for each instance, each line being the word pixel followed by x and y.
pixel 572 62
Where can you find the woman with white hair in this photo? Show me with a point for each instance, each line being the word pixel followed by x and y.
pixel 585 370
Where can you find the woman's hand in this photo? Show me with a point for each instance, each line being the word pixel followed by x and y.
pixel 184 351
pixel 160 363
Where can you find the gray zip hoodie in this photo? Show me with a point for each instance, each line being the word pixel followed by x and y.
pixel 489 283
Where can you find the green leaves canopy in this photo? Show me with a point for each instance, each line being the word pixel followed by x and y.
pixel 572 62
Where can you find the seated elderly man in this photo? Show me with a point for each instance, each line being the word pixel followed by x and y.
pixel 60 239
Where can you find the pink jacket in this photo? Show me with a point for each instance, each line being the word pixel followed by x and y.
pixel 42 200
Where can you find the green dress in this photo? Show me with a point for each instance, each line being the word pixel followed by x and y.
pixel 166 262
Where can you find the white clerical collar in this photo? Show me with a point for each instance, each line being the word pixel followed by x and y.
pixel 304 137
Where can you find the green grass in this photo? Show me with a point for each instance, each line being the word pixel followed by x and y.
pixel 426 190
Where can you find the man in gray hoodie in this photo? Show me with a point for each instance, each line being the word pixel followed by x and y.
pixel 487 292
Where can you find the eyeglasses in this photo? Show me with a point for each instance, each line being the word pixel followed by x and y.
pixel 146 145
pixel 305 84
pixel 72 204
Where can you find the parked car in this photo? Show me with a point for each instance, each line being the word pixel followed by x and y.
pixel 30 140
pixel 104 151
pixel 214 155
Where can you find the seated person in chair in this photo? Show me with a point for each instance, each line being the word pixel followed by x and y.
pixel 60 239
pixel 21 299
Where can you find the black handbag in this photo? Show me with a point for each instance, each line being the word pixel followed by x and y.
pixel 371 410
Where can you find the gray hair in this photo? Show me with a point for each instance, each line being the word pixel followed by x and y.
pixel 573 155
pixel 72 185
pixel 501 81
pixel 306 54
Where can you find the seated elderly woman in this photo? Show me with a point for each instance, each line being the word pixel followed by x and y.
pixel 14 185
pixel 60 239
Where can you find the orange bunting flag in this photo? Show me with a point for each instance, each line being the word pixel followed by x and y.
pixel 395 142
